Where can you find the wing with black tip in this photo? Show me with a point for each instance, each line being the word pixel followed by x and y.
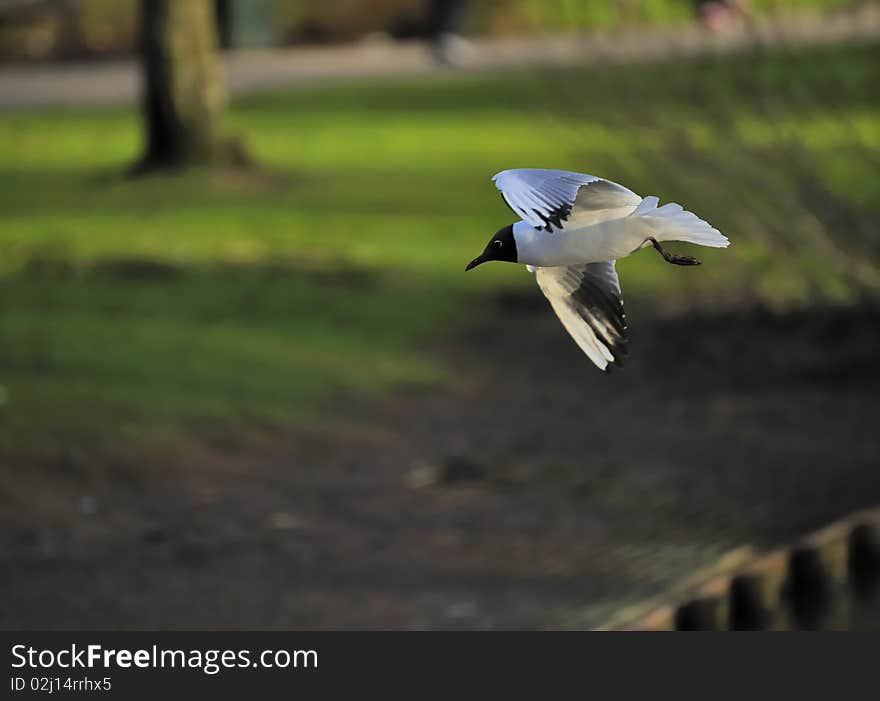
pixel 556 199
pixel 587 300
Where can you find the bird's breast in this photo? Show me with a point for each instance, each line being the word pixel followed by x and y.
pixel 571 247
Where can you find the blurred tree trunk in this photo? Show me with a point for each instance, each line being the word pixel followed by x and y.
pixel 69 39
pixel 183 88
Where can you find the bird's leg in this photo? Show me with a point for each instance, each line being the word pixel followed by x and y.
pixel 672 257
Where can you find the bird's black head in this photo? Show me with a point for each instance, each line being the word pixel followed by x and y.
pixel 501 246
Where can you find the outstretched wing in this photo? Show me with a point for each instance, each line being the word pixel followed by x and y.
pixel 555 199
pixel 587 300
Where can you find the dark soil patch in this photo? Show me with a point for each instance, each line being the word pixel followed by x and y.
pixel 536 492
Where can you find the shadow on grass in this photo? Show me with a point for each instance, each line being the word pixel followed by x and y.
pixel 87 349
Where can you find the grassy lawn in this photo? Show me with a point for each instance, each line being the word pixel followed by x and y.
pixel 598 15
pixel 131 308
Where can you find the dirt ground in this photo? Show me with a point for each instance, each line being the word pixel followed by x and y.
pixel 533 492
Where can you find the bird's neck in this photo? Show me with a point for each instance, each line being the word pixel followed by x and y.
pixel 535 247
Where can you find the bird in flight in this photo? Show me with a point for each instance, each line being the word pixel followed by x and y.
pixel 573 228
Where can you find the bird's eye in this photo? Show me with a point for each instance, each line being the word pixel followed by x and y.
pixel 497 243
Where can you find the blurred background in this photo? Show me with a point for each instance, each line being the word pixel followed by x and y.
pixel 245 383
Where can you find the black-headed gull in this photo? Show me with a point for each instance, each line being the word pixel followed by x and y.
pixel 574 227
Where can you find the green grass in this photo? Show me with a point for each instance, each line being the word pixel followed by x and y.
pixel 604 15
pixel 111 24
pixel 131 308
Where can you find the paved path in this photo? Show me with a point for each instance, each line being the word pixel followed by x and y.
pixel 41 85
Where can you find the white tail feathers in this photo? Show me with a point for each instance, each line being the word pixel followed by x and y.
pixel 672 222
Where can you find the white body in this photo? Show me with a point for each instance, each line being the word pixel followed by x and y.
pixel 585 240
pixel 604 241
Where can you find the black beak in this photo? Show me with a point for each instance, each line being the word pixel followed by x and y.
pixel 480 259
